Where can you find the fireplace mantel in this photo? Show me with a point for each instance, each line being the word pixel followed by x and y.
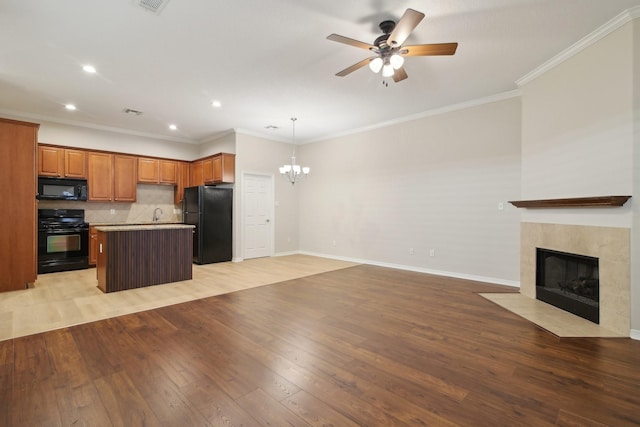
pixel 575 202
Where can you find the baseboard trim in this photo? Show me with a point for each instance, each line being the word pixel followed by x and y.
pixel 472 277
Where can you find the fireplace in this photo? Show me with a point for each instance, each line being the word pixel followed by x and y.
pixel 569 281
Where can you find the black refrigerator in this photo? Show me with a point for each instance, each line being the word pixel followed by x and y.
pixel 209 209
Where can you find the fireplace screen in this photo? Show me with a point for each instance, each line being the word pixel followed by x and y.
pixel 569 281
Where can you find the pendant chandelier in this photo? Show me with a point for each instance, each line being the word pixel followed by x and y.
pixel 293 171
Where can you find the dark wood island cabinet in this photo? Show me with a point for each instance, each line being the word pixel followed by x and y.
pixel 135 256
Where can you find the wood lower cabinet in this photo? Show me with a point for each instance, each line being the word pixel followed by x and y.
pixel 138 256
pixel 112 177
pixel 18 182
pixel 61 162
pixel 93 245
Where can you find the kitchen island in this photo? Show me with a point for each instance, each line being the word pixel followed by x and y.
pixel 136 256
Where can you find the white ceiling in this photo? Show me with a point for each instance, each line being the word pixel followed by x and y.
pixel 267 61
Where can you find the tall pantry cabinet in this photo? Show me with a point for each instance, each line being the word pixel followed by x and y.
pixel 18 244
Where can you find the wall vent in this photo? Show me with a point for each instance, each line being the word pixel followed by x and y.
pixel 154 6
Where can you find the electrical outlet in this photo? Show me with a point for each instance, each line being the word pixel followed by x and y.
pixel 432 252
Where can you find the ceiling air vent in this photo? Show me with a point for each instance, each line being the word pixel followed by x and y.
pixel 154 6
pixel 132 112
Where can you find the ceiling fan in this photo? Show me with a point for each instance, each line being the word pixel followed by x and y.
pixel 388 48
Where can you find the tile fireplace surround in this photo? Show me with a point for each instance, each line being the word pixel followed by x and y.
pixel 612 247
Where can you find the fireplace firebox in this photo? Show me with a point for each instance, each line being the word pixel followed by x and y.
pixel 569 281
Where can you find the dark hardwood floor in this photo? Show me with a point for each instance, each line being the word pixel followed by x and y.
pixel 360 346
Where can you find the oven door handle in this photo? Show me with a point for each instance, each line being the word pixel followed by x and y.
pixel 65 231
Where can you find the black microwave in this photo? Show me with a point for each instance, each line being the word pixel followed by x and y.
pixel 62 189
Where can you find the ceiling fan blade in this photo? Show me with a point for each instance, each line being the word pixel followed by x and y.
pixel 355 67
pixel 399 75
pixel 429 49
pixel 352 42
pixel 404 27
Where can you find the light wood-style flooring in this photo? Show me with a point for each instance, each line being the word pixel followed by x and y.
pixel 71 298
pixel 355 346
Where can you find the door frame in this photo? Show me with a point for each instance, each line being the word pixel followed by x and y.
pixel 271 204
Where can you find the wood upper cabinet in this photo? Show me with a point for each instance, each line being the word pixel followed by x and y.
pixel 100 176
pixel 75 163
pixel 183 182
pixel 168 172
pixel 61 162
pixel 18 182
pixel 157 171
pixel 112 177
pixel 50 161
pixel 207 170
pixel 125 172
pixel 224 168
pixel 197 178
pixel 148 171
pixel 219 169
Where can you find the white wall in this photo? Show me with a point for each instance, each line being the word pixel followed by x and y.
pixel 432 183
pixel 580 138
pixel 74 136
pixel 635 202
pixel 263 156
pixel 577 133
pixel 224 144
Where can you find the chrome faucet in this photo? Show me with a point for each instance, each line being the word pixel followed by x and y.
pixel 156 216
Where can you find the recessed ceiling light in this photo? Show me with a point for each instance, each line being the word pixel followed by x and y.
pixel 70 107
pixel 89 68
pixel 216 104
pixel 173 127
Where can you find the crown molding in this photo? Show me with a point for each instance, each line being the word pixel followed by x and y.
pixel 429 113
pixel 615 23
pixel 30 116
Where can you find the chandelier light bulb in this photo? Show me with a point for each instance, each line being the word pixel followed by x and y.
pixel 396 61
pixel 292 171
pixel 375 64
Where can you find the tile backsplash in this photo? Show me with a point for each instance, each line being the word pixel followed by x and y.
pixel 149 197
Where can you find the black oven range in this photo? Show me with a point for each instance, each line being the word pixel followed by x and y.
pixel 63 240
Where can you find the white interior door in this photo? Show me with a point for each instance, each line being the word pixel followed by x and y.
pixel 258 224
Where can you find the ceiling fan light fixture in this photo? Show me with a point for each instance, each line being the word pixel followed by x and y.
pixel 387 70
pixel 396 61
pixel 376 64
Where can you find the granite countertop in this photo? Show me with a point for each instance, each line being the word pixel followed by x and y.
pixel 137 227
